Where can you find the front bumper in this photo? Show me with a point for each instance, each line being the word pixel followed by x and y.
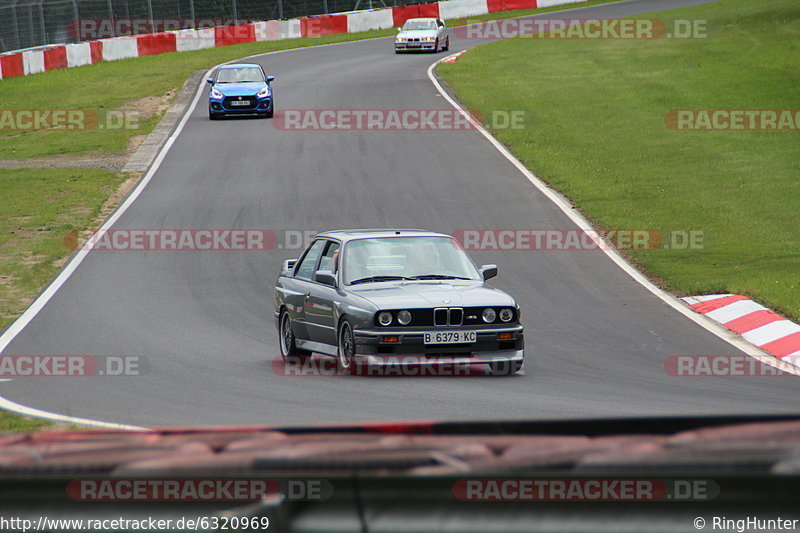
pixel 415 46
pixel 221 107
pixel 410 348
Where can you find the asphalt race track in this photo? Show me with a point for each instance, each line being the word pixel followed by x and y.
pixel 201 322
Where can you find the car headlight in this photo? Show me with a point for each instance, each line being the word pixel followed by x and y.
pixel 506 314
pixel 404 317
pixel 399 39
pixel 488 315
pixel 215 93
pixel 430 39
pixel 263 93
pixel 384 318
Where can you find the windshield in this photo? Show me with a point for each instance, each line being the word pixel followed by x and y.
pixel 419 25
pixel 239 75
pixel 407 257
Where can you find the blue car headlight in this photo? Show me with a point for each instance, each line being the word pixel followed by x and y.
pixel 215 93
pixel 263 93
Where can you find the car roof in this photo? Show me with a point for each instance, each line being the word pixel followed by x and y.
pixel 239 65
pixel 353 234
pixel 424 18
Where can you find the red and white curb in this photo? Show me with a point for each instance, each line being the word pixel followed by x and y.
pixel 756 324
pixel 452 58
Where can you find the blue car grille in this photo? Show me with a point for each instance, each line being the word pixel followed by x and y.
pixel 252 102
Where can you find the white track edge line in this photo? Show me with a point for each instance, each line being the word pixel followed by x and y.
pixel 562 203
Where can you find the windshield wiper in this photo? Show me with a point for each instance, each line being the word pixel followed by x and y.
pixel 437 276
pixel 378 278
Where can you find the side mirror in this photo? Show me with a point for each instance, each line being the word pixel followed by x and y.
pixel 399 29
pixel 270 78
pixel 288 266
pixel 326 277
pixel 210 80
pixel 488 271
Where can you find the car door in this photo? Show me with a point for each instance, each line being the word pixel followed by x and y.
pixel 300 287
pixel 321 300
pixel 441 32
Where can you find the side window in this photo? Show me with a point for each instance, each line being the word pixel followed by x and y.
pixel 306 268
pixel 330 258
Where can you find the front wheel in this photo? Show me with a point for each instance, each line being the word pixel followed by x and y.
pixel 505 368
pixel 347 347
pixel 212 115
pixel 446 44
pixel 288 342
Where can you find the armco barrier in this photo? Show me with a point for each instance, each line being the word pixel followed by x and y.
pixel 55 58
pixel 75 55
pixel 509 5
pixel 33 61
pixel 79 54
pixel 379 19
pixel 156 43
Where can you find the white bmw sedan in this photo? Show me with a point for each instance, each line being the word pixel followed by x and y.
pixel 422 34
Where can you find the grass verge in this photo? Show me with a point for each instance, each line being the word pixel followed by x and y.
pixel 14 423
pixel 596 132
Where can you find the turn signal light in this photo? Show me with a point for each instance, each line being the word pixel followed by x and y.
pixel 391 338
pixel 506 335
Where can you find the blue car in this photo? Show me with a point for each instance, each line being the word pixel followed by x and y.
pixel 240 89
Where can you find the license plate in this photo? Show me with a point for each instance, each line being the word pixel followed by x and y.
pixel 240 102
pixel 450 337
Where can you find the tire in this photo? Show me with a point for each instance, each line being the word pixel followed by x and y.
pixel 287 340
pixel 212 116
pixel 347 347
pixel 446 44
pixel 269 113
pixel 436 46
pixel 505 368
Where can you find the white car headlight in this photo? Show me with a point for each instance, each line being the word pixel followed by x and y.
pixel 215 93
pixel 488 315
pixel 404 317
pixel 506 314
pixel 384 318
pixel 263 93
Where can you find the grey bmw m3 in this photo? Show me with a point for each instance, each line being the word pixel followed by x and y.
pixel 408 297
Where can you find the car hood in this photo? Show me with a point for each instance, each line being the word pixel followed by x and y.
pixel 417 33
pixel 415 294
pixel 239 89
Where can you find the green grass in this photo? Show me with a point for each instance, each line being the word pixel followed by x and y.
pixel 14 423
pixel 39 209
pixel 596 132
